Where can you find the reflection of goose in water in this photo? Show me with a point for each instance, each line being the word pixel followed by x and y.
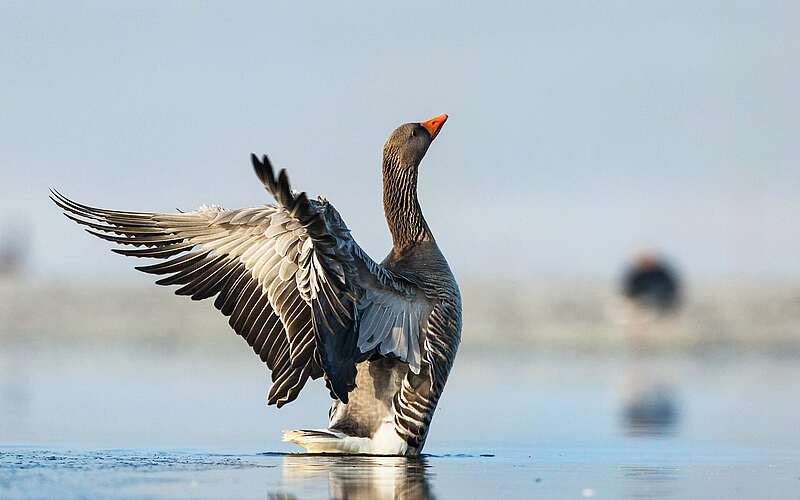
pixel 362 477
pixel 652 284
pixel 312 303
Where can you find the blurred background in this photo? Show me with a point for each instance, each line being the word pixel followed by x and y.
pixel 616 190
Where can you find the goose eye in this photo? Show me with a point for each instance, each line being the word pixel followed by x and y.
pixel 413 132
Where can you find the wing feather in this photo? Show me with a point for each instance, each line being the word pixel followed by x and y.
pixel 290 277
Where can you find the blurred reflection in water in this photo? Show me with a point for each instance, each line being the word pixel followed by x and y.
pixel 650 403
pixel 362 477
pixel 651 412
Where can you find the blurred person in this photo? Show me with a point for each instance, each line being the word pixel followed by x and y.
pixel 652 293
pixel 652 290
pixel 652 284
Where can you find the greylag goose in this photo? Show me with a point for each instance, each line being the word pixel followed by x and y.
pixel 312 303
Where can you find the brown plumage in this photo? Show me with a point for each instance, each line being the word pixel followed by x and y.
pixel 311 303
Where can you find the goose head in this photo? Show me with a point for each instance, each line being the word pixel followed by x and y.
pixel 409 142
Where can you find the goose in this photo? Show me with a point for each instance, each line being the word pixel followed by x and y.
pixel 310 301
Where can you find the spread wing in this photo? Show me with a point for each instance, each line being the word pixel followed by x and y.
pixel 295 284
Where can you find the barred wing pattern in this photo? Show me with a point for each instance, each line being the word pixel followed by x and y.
pixel 295 284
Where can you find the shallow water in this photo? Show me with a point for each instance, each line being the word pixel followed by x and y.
pixel 548 473
pixel 131 424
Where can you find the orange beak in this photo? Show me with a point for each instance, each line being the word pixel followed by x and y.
pixel 434 125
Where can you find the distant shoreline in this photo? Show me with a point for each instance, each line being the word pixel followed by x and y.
pixel 569 315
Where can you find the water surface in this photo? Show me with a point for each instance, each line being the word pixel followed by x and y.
pixel 131 423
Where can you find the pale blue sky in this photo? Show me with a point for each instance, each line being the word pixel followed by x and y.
pixel 578 131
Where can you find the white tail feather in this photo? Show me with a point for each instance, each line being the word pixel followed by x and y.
pixel 384 442
pixel 326 441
